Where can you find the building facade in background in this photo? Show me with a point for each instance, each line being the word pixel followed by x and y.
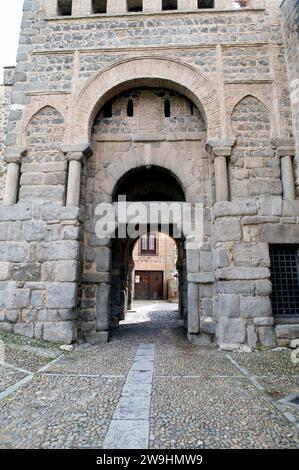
pixel 179 101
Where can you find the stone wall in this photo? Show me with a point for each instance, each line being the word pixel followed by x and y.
pixel 5 91
pixel 290 12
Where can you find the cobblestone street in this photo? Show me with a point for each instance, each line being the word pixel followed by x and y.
pixel 147 388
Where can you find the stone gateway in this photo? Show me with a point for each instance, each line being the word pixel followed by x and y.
pixel 187 101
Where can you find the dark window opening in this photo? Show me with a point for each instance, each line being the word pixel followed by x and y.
pixel 135 5
pixel 99 6
pixel 169 5
pixel 130 108
pixel 64 7
pixel 191 109
pixel 285 280
pixel 148 245
pixel 167 109
pixel 107 110
pixel 206 4
pixel 240 3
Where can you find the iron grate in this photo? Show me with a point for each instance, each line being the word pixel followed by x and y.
pixel 285 279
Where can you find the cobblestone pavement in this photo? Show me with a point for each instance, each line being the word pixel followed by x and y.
pixel 147 388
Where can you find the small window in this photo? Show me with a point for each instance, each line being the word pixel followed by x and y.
pixel 134 5
pixel 285 280
pixel 64 7
pixel 107 110
pixel 167 109
pixel 240 4
pixel 148 245
pixel 169 4
pixel 99 6
pixel 206 4
pixel 192 109
pixel 130 108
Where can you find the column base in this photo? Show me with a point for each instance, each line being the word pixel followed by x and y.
pixel 200 340
pixel 98 337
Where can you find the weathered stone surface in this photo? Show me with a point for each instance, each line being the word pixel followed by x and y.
pixel 67 271
pixel 256 306
pixel 62 295
pixel 271 206
pixel 220 258
pixel 251 254
pixel 238 273
pixel 60 332
pixel 25 272
pixel 24 329
pixel 227 229
pixel 267 336
pixel 279 233
pixel 14 252
pixel 229 305
pixel 237 207
pixel 7 294
pixel 290 331
pixel 4 271
pixel 63 250
pixel 231 330
pixel 252 338
pixel 22 298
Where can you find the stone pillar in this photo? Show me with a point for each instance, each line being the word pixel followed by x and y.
pixel 286 155
pixel 116 7
pixel 224 4
pixel 152 6
pixel 81 7
pixel 12 184
pixel 13 158
pixel 187 5
pixel 76 156
pixel 221 154
pixel 74 179
pixel 130 285
pixel 103 311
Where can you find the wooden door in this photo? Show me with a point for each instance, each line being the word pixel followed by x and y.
pixel 149 285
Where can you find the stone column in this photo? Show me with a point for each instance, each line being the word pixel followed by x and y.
pixel 224 4
pixel 187 5
pixel 13 158
pixel 130 285
pixel 152 6
pixel 193 309
pixel 74 179
pixel 81 7
pixel 116 7
pixel 221 154
pixel 12 184
pixel 286 155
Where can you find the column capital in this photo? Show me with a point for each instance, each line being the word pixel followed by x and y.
pixel 219 150
pixel 77 151
pixel 286 151
pixel 14 154
pixel 75 156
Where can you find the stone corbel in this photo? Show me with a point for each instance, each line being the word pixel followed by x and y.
pixel 76 156
pixel 220 155
pixel 13 158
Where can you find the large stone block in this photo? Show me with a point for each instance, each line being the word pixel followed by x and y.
pixel 260 186
pixel 251 254
pixel 270 205
pixel 34 231
pixel 62 295
pixel 4 271
pixel 63 250
pixel 25 272
pixel 24 329
pixel 21 211
pixel 229 305
pixel 279 233
pixel 22 298
pixel 7 294
pixel 237 207
pixel 252 338
pixel 231 330
pixel 67 271
pixel 60 332
pixel 14 252
pixel 103 259
pixel 238 273
pixel 287 331
pixel 220 258
pixel 227 229
pixel 256 306
pixel 267 336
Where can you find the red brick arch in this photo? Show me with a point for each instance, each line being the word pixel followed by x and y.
pixel 151 71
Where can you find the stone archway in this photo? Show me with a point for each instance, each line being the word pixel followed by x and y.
pixel 150 71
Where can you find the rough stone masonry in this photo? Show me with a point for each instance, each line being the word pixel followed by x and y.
pixel 202 92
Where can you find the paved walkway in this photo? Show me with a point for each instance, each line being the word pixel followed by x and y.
pixel 147 388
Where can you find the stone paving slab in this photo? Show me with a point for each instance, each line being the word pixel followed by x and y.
pixel 127 434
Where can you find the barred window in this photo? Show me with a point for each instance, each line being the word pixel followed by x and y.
pixel 148 245
pixel 285 280
pixel 99 6
pixel 169 5
pixel 134 5
pixel 206 4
